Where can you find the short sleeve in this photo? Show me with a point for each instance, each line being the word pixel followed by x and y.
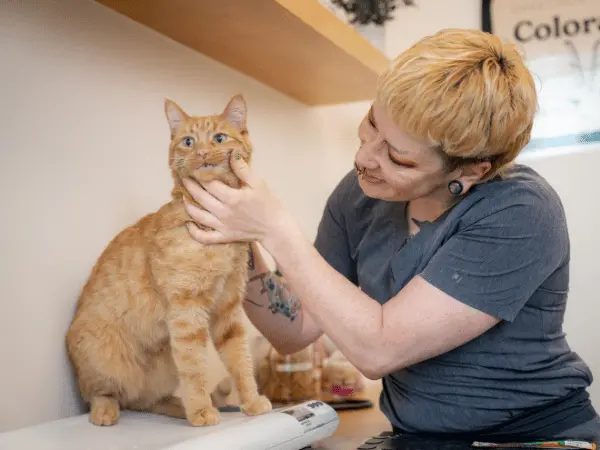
pixel 498 262
pixel 332 240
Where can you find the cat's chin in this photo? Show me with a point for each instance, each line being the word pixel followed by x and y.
pixel 210 172
pixel 209 169
pixel 216 172
pixel 207 173
pixel 203 173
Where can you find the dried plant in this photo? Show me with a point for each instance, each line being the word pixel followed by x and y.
pixel 364 12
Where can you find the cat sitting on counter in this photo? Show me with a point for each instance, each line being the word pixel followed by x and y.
pixel 156 298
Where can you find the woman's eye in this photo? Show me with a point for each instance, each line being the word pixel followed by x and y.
pixel 219 138
pixel 402 163
pixel 188 141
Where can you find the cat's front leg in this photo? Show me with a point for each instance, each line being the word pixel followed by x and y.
pixel 231 341
pixel 188 326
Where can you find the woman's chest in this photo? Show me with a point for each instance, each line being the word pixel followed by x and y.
pixel 388 253
pixel 374 251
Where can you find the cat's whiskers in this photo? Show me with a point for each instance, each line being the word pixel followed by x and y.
pixel 179 160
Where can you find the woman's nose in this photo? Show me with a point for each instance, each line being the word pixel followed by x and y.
pixel 367 154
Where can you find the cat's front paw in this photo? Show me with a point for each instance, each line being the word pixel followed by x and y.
pixel 259 405
pixel 208 415
pixel 104 411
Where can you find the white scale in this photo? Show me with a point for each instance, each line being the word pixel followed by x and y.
pixel 289 428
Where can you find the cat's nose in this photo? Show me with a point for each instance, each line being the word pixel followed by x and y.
pixel 202 152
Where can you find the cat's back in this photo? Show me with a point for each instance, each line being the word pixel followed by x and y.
pixel 120 301
pixel 121 273
pixel 154 255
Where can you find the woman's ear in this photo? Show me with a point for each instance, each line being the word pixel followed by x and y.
pixel 468 175
pixel 473 173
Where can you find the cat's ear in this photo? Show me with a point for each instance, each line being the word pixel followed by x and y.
pixel 235 112
pixel 175 115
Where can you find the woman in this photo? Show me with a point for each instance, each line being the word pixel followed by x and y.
pixel 439 265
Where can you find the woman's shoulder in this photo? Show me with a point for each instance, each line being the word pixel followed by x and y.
pixel 519 188
pixel 521 179
pixel 525 179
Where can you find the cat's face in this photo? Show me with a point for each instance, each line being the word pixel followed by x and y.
pixel 201 146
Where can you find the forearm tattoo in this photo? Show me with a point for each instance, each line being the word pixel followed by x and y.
pixel 281 300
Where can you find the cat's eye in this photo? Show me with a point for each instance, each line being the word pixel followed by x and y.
pixel 188 141
pixel 219 138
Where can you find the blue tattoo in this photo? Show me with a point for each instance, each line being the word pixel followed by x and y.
pixel 280 298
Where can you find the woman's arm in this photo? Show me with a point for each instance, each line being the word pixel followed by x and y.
pixel 420 322
pixel 275 311
pixel 480 276
pixel 351 319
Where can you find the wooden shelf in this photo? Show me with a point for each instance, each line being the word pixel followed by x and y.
pixel 295 46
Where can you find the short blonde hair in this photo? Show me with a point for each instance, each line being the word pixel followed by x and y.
pixel 465 92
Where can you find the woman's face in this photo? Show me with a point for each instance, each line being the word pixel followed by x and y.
pixel 396 167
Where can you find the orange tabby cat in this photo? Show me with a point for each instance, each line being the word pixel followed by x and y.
pixel 156 297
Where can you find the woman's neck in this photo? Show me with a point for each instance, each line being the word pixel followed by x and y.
pixel 427 209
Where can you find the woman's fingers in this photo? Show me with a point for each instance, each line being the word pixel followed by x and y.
pixel 227 194
pixel 202 216
pixel 208 237
pixel 241 169
pixel 204 236
pixel 220 191
pixel 203 198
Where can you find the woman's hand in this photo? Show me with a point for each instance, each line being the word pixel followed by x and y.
pixel 250 213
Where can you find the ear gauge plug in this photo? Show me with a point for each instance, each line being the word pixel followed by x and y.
pixel 455 187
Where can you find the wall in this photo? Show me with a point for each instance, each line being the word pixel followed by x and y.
pixel 84 154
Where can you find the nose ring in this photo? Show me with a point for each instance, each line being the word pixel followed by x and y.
pixel 360 171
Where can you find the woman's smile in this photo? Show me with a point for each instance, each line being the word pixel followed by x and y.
pixel 371 179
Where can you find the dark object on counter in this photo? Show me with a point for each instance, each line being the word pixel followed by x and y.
pixel 351 403
pixel 389 441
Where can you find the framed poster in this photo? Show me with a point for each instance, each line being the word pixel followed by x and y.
pixel 560 40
